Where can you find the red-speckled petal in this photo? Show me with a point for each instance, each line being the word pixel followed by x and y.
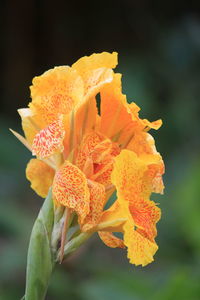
pixel 49 140
pixel 70 189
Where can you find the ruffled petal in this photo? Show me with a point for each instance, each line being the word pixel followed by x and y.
pixel 134 109
pixel 95 80
pixel 134 177
pixel 110 240
pixel 95 71
pixel 134 182
pixel 140 249
pixel 70 189
pixel 40 175
pixel 120 120
pixel 143 144
pixel 145 215
pixel 156 171
pixel 57 91
pixel 154 125
pixel 95 61
pixel 49 140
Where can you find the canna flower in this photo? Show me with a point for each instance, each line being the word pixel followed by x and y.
pixel 86 153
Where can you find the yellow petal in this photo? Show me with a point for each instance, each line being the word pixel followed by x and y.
pixel 134 182
pixel 49 140
pixel 143 145
pixel 133 179
pixel 140 249
pixel 94 80
pixel 57 91
pixel 156 171
pixel 95 61
pixel 85 118
pixel 40 175
pixel 71 190
pixel 110 240
pixel 128 176
pixel 154 125
pixel 95 71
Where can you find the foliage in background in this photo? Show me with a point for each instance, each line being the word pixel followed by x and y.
pixel 165 83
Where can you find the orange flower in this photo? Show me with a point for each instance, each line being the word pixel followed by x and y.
pixel 86 155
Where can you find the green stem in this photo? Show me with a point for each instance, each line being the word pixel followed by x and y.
pixel 43 253
pixel 40 261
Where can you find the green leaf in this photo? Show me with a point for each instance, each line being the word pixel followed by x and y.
pixel 40 261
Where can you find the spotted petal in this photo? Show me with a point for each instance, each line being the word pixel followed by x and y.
pixel 134 185
pixel 95 71
pixel 140 249
pixel 70 189
pixel 55 92
pixel 49 140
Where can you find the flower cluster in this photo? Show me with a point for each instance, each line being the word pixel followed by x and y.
pixel 86 152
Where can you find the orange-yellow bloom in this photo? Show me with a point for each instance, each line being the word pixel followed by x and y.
pixel 86 153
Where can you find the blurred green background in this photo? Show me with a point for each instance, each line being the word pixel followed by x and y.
pixel 159 56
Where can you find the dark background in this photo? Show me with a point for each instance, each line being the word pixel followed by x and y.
pixel 159 56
